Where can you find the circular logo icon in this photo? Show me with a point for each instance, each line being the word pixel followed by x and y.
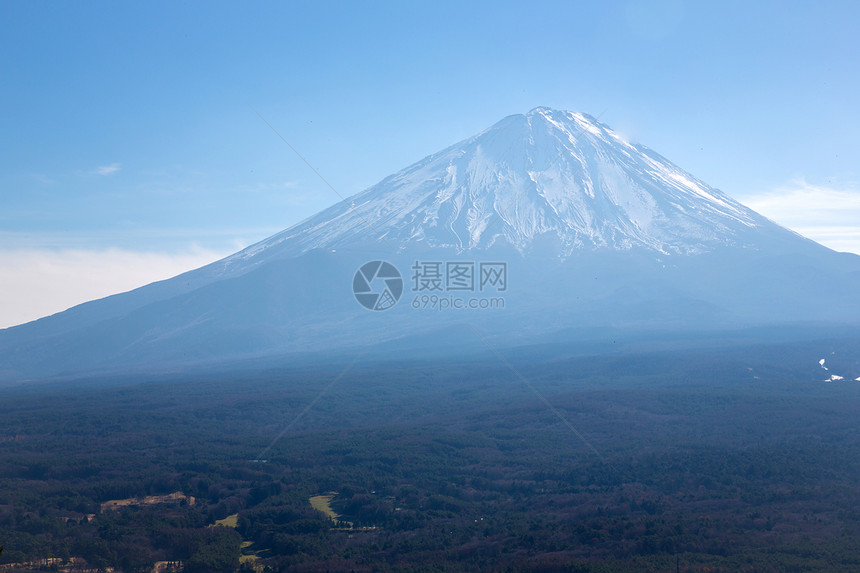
pixel 377 285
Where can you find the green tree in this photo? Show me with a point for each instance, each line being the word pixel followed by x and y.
pixel 220 553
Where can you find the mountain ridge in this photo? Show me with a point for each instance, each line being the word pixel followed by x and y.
pixel 595 233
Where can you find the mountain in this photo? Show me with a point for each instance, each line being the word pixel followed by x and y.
pixel 550 173
pixel 590 234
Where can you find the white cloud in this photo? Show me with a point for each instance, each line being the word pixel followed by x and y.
pixel 38 282
pixel 108 169
pixel 825 214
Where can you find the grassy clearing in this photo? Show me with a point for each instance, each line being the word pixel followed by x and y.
pixel 323 503
pixel 250 557
pixel 229 521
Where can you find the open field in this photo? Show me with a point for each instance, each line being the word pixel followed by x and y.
pixel 229 521
pixel 322 503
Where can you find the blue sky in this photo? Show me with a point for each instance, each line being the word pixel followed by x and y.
pixel 132 148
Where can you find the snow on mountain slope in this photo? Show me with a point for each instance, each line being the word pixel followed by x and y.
pixel 551 180
pixel 596 233
pixel 546 173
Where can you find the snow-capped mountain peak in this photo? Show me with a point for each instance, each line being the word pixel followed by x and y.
pixel 547 173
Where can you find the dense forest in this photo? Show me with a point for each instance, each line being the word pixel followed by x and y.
pixel 738 460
